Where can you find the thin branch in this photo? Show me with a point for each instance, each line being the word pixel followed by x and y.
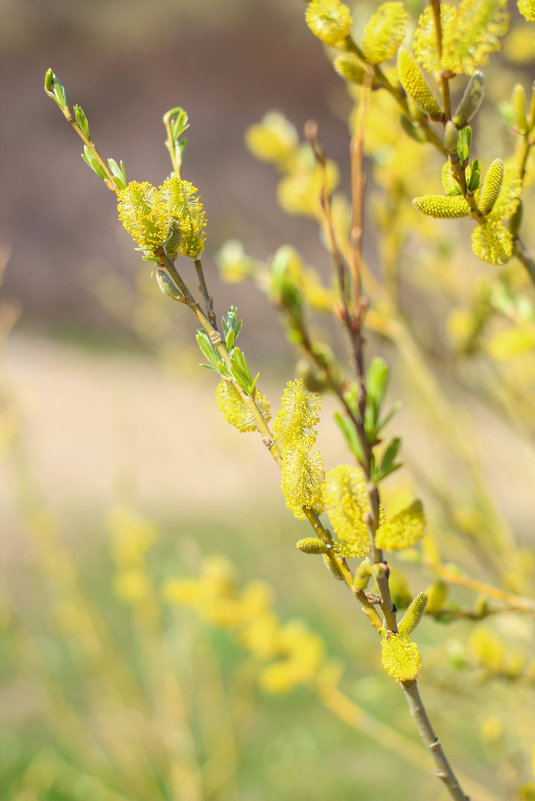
pixel 208 299
pixel 444 771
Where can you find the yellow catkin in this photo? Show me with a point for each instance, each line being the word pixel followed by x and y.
pixel 491 187
pixel 470 33
pixel 347 503
pixel 311 545
pixel 414 83
pixel 385 32
pixel 442 207
pixel 185 206
pixel 400 657
pixel 508 199
pixel 414 614
pixel 302 479
pixel 143 214
pixel 297 416
pixel 403 530
pixel 274 139
pixel 492 242
pixel 527 9
pixel 329 20
pixel 234 410
pixel 350 68
pixel 518 100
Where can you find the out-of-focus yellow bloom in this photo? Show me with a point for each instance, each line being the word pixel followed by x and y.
pixel 403 530
pixel 132 536
pixel 274 139
pixel 470 33
pixel 527 9
pixel 329 20
pixel 492 242
pixel 385 32
pixel 132 585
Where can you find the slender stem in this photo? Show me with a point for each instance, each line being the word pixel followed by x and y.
pixel 174 152
pixel 444 81
pixel 348 711
pixel 517 602
pixel 444 771
pixel 524 258
pixel 208 299
pixel 398 95
pixel 110 183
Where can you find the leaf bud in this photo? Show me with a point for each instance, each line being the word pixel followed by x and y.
pixel 311 545
pixel 471 100
pixel 491 187
pixel 167 286
pixel 519 107
pixel 414 614
pixel 451 137
pixel 437 593
pixel 362 575
pixel 411 130
pixel 351 69
pixel 332 564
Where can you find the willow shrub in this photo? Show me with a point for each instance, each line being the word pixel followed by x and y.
pixel 400 74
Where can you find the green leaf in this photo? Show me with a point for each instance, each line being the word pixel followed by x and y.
pixel 91 161
pixel 203 341
pixel 118 173
pixel 463 146
pixel 350 435
pixel 81 121
pixel 475 176
pixel 376 386
pixel 388 462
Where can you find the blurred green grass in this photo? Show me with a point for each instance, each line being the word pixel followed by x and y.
pixel 101 703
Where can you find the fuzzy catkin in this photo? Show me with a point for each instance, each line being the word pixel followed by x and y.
pixel 442 207
pixel 491 187
pixel 414 83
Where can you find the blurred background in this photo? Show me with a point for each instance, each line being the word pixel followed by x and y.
pixel 113 444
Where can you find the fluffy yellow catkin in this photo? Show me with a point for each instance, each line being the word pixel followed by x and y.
pixel 347 502
pixel 302 479
pixel 527 9
pixel 414 83
pixel 400 657
pixel 442 207
pixel 403 530
pixel 329 20
pixel 185 207
pixel 492 242
pixel 143 214
pixel 384 32
pixel 491 187
pixel 234 410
